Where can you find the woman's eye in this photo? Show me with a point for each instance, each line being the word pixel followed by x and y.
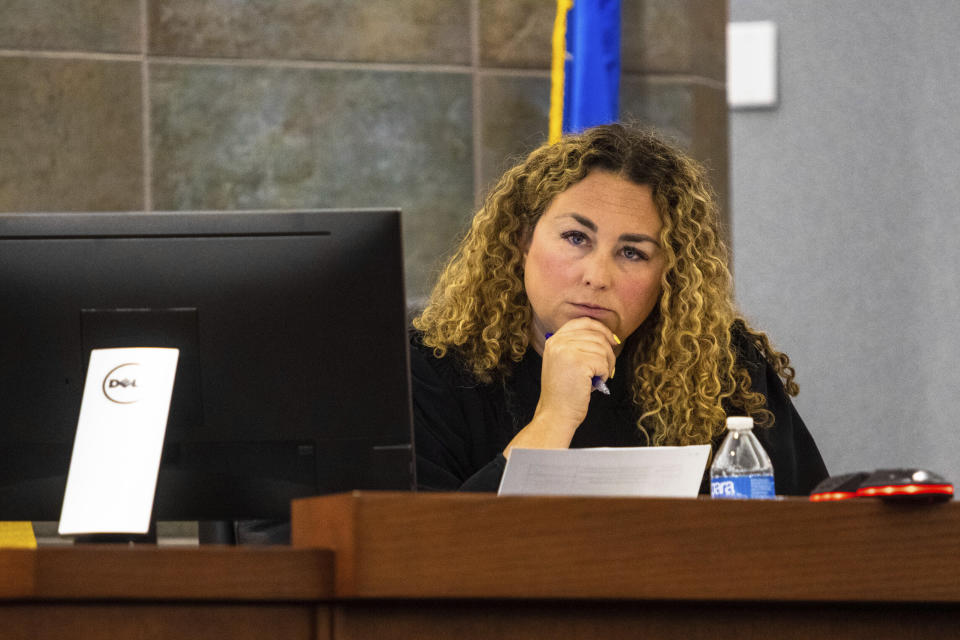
pixel 631 253
pixel 576 238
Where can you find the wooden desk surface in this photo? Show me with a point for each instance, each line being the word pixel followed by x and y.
pixel 391 545
pixel 402 566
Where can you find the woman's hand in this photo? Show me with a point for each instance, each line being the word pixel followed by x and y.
pixel 579 350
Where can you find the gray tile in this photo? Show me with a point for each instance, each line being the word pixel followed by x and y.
pixel 690 113
pixel 516 33
pixel 514 121
pixel 70 135
pixel 657 36
pixel 674 36
pixel 711 143
pixel 111 26
pixel 710 40
pixel 248 138
pixel 515 115
pixel 424 31
pixel 667 105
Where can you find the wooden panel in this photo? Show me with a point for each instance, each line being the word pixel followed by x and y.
pixel 460 546
pixel 162 622
pixel 128 573
pixel 548 620
pixel 17 572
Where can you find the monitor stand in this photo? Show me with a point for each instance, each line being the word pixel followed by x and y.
pixel 150 537
pixel 216 532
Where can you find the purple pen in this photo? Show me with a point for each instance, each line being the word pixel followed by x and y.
pixel 600 385
pixel 597 381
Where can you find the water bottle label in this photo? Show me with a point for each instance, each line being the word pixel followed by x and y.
pixel 753 486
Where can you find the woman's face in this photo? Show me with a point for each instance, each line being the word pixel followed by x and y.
pixel 595 252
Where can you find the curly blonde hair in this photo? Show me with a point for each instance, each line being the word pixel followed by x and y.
pixel 684 362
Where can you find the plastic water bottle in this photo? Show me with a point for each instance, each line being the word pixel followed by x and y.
pixel 741 469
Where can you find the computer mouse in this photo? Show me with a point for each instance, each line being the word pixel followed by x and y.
pixel 907 484
pixel 841 487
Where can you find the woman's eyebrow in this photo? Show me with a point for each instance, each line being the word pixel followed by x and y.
pixel 587 222
pixel 637 237
pixel 626 237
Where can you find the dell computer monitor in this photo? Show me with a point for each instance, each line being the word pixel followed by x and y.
pixel 293 376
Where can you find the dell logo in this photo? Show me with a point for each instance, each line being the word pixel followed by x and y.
pixel 120 385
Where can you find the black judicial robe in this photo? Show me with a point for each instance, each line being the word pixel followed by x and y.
pixel 461 427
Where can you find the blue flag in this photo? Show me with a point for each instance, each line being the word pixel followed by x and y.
pixel 592 71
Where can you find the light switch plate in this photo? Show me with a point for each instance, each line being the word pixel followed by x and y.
pixel 751 65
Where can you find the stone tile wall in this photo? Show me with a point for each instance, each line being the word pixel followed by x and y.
pixel 242 104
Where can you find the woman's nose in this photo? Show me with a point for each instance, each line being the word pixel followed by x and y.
pixel 597 271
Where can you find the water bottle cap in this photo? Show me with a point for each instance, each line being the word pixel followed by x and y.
pixel 739 423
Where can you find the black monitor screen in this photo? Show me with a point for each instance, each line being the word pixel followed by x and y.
pixel 293 372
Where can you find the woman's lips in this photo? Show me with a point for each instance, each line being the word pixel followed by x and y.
pixel 591 310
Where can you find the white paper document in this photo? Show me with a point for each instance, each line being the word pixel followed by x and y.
pixel 116 452
pixel 664 472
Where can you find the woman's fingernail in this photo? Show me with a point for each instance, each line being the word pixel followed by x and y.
pixel 617 341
